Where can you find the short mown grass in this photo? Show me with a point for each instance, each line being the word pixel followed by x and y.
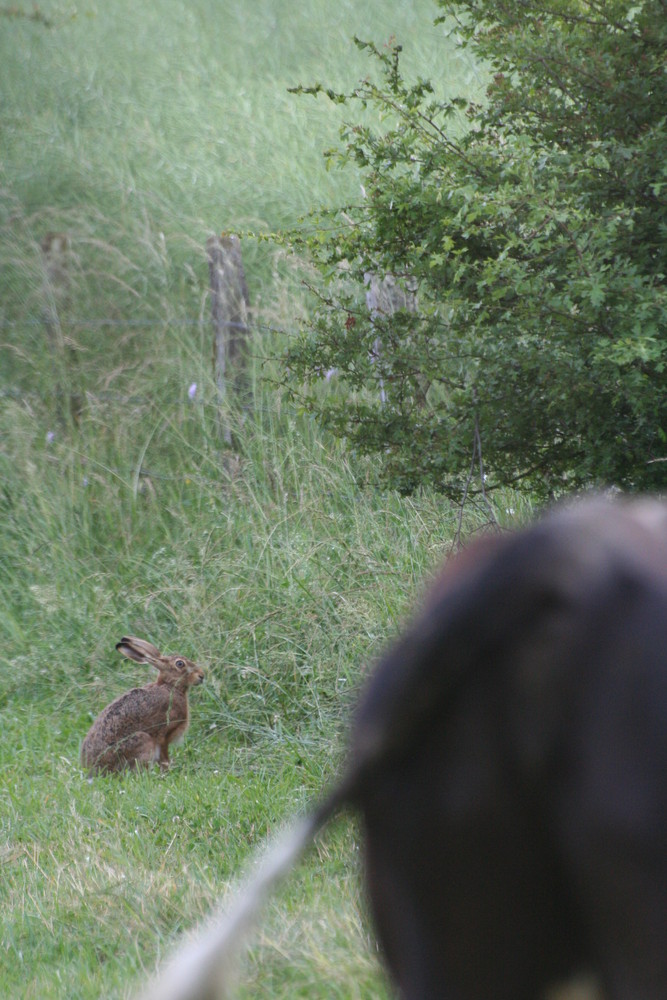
pixel 137 130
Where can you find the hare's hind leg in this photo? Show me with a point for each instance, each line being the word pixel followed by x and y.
pixel 137 750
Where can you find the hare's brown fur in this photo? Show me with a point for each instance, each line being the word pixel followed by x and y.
pixel 135 729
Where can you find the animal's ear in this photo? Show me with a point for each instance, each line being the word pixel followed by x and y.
pixel 138 649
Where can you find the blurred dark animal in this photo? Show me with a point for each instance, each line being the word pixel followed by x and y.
pixel 509 764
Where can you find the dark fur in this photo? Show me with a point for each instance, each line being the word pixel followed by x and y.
pixel 509 760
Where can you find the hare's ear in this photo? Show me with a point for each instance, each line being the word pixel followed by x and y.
pixel 138 649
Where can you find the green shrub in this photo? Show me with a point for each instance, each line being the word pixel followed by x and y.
pixel 533 228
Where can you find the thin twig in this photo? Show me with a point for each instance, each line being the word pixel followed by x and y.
pixel 456 541
pixel 487 503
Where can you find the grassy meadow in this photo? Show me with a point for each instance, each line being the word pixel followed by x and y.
pixel 136 131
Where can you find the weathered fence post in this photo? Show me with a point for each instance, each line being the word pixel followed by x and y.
pixel 55 292
pixel 384 297
pixel 230 305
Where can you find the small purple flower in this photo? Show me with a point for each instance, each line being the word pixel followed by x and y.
pixel 50 437
pixel 85 481
pixel 192 391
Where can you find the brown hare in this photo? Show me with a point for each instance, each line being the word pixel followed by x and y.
pixel 135 730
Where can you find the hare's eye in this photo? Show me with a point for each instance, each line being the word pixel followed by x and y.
pixel 180 663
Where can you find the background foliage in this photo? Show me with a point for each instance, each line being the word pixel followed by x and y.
pixel 136 131
pixel 535 234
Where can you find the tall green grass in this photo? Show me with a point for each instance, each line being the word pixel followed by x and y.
pixel 279 574
pixel 138 130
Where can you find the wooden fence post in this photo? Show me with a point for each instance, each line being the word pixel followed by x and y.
pixel 230 305
pixel 55 292
pixel 384 297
